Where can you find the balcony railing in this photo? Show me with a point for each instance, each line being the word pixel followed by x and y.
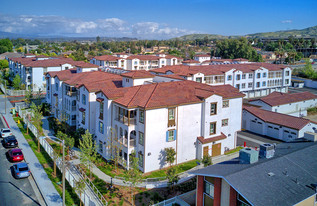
pixel 124 141
pixel 73 108
pixel 125 120
pixel 71 94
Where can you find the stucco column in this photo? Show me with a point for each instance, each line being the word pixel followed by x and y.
pixel 200 191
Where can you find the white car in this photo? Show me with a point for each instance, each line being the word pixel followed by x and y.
pixel 5 132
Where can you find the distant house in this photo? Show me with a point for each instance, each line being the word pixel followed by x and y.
pixel 202 57
pixel 276 125
pixel 295 104
pixel 288 178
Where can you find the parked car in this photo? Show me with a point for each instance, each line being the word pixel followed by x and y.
pixel 10 141
pixel 21 170
pixel 5 132
pixel 15 155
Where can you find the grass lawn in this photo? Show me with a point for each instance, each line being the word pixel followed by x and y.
pixel 180 168
pixel 47 163
pixel 234 150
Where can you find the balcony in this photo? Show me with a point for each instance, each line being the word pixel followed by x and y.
pixel 71 94
pixel 127 121
pixel 124 141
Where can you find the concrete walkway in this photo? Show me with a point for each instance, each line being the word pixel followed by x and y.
pixel 46 187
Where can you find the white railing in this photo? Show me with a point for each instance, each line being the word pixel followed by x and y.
pixel 11 92
pixel 176 200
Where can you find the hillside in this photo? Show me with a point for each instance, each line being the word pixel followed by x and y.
pixel 199 36
pixel 298 33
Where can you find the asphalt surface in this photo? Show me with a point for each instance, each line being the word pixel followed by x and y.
pixel 305 89
pixel 14 191
pixel 254 140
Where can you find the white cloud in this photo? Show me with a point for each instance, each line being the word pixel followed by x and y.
pixel 286 21
pixel 58 25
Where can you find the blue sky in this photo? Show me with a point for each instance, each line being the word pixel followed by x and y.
pixel 153 19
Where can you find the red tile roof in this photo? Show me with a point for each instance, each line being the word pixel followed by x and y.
pixel 144 57
pixel 211 139
pixel 278 118
pixel 138 74
pixel 107 58
pixel 278 98
pixel 63 75
pixel 166 94
pixel 82 64
pixel 49 62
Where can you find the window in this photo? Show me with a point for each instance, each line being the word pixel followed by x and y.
pixel 229 78
pixel 135 63
pixel 44 70
pixel 243 85
pixel 101 127
pixel 271 75
pixel 263 84
pixel 224 122
pixel 140 159
pixel 225 103
pixel 83 117
pixel 83 99
pixel 213 108
pixel 209 188
pixel 243 76
pixel 238 77
pixel 100 146
pixel 286 81
pixel 264 75
pixel 258 75
pixel 238 86
pixel 171 114
pixel 101 110
pixel 141 117
pixel 287 73
pixel 141 138
pixel 250 84
pixel 258 84
pixel 170 135
pixel 212 129
pixel 250 76
pixel 56 86
pixel 199 79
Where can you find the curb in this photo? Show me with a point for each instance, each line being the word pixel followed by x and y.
pixel 5 121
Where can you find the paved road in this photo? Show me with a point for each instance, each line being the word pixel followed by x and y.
pixel 14 191
pixel 253 140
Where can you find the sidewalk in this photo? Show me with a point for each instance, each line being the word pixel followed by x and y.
pixel 47 189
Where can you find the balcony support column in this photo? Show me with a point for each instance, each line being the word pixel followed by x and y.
pixel 128 117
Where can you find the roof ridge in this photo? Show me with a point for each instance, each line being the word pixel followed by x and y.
pixel 134 95
pixel 156 85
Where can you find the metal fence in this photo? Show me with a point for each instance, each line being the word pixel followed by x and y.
pixel 72 174
pixel 12 92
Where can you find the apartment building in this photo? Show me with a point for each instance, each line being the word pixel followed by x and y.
pixel 202 57
pixel 287 178
pixel 32 68
pixel 62 89
pixel 295 104
pixel 136 62
pixel 252 79
pixel 146 116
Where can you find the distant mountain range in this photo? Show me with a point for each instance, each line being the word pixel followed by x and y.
pixel 310 32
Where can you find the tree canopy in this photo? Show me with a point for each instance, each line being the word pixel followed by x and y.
pixel 5 45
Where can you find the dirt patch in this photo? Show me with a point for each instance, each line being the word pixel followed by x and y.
pixel 312 117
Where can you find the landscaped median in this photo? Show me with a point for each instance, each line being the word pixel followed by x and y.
pixel 71 197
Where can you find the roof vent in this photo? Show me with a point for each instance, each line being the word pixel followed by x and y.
pixel 248 156
pixel 267 150
pixel 270 174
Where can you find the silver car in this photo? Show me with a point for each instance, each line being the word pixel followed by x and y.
pixel 5 132
pixel 21 170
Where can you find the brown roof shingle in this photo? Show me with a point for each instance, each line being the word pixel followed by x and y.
pixel 139 74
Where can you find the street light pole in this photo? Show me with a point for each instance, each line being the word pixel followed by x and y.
pixel 5 96
pixel 63 175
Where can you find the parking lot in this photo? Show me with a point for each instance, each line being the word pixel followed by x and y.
pixel 14 191
pixel 253 140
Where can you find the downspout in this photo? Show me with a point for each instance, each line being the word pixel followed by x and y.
pixel 144 122
pixel 89 111
pixel 176 136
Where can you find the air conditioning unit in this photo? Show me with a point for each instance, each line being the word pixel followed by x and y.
pixel 267 150
pixel 248 156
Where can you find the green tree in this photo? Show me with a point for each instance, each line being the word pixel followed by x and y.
pixel 88 149
pixel 4 64
pixel 37 121
pixel 69 143
pixel 170 154
pixel 78 55
pixel 80 188
pixel 28 96
pixel 6 43
pixel 206 160
pixel 17 82
pixel 133 176
pixel 172 176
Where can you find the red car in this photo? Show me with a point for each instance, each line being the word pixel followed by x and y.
pixel 15 155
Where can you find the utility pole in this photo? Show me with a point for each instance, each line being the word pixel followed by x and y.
pixel 63 175
pixel 5 96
